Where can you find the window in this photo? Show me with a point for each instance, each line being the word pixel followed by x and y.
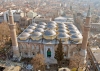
pixel 33 53
pixel 48 52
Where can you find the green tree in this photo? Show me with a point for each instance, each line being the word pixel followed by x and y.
pixel 59 54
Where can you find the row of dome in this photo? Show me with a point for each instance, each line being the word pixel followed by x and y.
pixel 51 34
pixel 61 28
pixel 39 35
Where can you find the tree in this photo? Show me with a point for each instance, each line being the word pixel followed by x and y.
pixel 76 62
pixel 38 62
pixel 5 40
pixel 59 54
pixel 4 34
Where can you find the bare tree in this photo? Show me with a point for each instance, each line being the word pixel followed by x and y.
pixel 76 62
pixel 5 40
pixel 4 34
pixel 38 62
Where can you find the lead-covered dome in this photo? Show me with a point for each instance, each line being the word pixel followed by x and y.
pixel 49 34
pixel 28 31
pixel 39 30
pixel 31 27
pixel 51 26
pixel 62 31
pixel 71 28
pixel 62 27
pixel 24 36
pixel 63 36
pixel 76 38
pixel 36 36
pixel 40 26
pixel 74 32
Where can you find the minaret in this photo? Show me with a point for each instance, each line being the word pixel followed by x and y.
pixel 12 27
pixel 83 51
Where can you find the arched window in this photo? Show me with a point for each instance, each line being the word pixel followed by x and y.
pixel 48 52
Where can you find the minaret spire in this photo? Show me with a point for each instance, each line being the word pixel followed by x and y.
pixel 89 12
pixel 12 27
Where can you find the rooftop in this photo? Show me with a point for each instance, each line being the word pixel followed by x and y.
pixel 95 53
pixel 51 32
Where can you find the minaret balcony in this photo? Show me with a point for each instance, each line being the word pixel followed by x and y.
pixel 87 26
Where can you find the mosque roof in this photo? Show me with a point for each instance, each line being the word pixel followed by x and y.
pixel 50 32
pixel 31 27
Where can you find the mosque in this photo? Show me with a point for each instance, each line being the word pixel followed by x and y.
pixel 43 38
